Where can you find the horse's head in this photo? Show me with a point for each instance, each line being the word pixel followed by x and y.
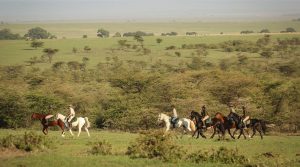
pixel 33 116
pixel 159 118
pixel 193 115
pixel 220 117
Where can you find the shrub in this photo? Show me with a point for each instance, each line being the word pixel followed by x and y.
pixel 155 144
pixel 101 148
pixel 37 33
pixel 28 142
pixel 222 155
pixel 6 34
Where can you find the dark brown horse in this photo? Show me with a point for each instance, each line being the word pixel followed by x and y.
pixel 228 124
pixel 214 123
pixel 41 117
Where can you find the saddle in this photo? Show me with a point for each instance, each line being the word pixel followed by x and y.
pixel 174 121
pixel 67 124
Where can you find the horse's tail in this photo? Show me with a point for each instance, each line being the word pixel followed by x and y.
pixel 263 126
pixel 192 126
pixel 88 124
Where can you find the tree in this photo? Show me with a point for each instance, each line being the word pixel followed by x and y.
pixel 36 44
pixel 117 34
pixel 265 31
pixel 50 53
pixel 84 36
pixel 102 33
pixel 87 48
pixel 37 33
pixel 6 34
pixel 139 39
pixel 290 29
pixel 159 40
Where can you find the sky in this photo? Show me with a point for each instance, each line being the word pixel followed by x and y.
pixel 143 10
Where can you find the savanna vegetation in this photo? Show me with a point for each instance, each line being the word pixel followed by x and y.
pixel 122 83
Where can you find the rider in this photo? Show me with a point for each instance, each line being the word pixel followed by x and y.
pixel 71 114
pixel 231 109
pixel 47 119
pixel 174 117
pixel 245 117
pixel 204 115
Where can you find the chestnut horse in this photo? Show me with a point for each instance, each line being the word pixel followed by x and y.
pixel 41 117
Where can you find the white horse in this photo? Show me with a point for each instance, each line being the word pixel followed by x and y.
pixel 185 122
pixel 80 122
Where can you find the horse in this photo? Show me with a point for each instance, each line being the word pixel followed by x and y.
pixel 199 124
pixel 229 123
pixel 41 117
pixel 256 125
pixel 80 122
pixel 185 122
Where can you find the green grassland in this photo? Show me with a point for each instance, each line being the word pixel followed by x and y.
pixel 18 51
pixel 76 30
pixel 72 151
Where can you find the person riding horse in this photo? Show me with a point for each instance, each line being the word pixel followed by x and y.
pixel 204 115
pixel 70 116
pixel 174 118
pixel 245 116
pixel 234 117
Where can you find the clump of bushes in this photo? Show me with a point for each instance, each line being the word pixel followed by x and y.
pixel 222 155
pixel 28 142
pixel 155 144
pixel 101 148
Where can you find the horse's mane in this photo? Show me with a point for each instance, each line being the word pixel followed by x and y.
pixel 218 113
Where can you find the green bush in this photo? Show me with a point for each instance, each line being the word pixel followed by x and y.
pixel 155 144
pixel 101 148
pixel 28 142
pixel 222 155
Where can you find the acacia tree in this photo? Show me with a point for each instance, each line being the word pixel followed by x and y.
pixel 36 44
pixel 102 33
pixel 37 33
pixel 158 40
pixel 49 52
pixel 139 39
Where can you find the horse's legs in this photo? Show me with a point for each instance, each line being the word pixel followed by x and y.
pixel 195 132
pixel 230 133
pixel 201 133
pixel 45 130
pixel 234 131
pixel 70 130
pixel 168 127
pixel 254 131
pixel 259 129
pixel 212 136
pixel 79 129
pixel 239 134
pixel 87 131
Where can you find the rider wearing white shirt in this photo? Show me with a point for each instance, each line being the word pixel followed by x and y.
pixel 71 114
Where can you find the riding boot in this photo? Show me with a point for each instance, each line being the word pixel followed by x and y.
pixel 46 122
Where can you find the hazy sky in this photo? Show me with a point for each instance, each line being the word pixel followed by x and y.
pixel 106 10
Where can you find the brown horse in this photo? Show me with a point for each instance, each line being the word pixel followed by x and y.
pixel 227 124
pixel 41 117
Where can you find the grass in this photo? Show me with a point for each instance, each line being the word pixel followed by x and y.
pixel 19 51
pixel 77 30
pixel 72 151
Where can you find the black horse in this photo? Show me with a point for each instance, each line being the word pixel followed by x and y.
pixel 214 123
pixel 234 118
pixel 256 125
